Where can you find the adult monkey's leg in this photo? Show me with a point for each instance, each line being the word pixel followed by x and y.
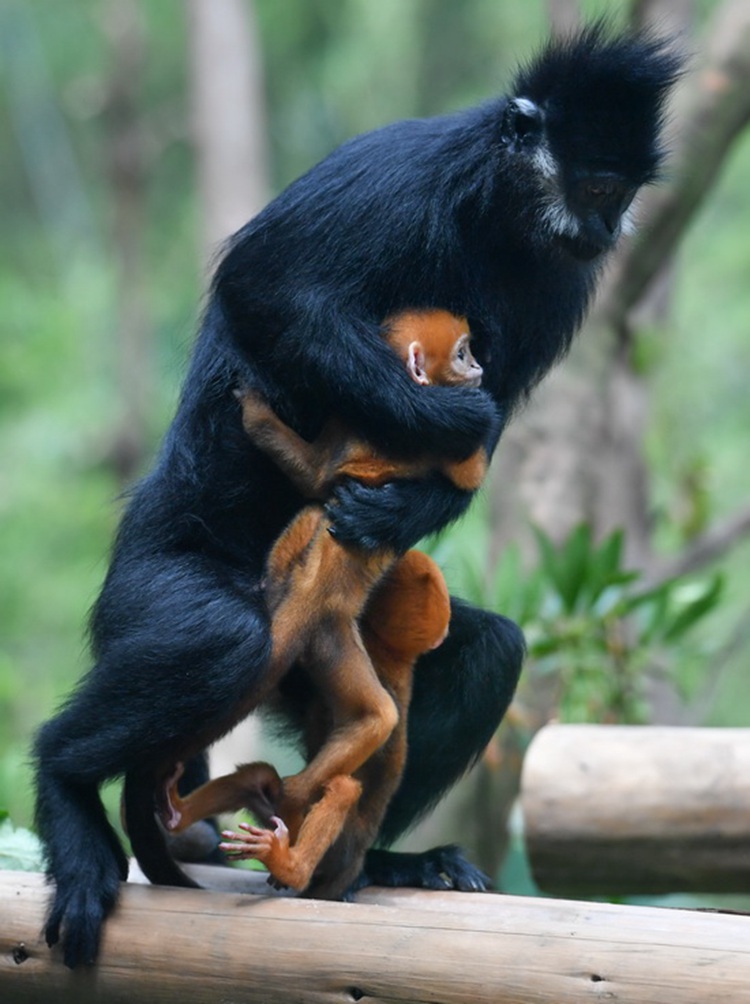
pixel 182 646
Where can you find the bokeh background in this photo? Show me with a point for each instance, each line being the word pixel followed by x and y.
pixel 135 136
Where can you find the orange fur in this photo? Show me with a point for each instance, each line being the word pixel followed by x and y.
pixel 407 615
pixel 317 591
pixel 437 331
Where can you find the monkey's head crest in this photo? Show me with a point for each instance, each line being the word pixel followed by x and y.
pixel 586 119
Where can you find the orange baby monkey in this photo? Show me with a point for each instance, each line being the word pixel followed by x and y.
pixel 317 590
pixel 434 346
pixel 407 615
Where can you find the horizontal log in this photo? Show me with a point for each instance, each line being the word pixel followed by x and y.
pixel 175 945
pixel 638 810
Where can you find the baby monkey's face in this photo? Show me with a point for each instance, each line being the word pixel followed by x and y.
pixel 434 344
pixel 463 368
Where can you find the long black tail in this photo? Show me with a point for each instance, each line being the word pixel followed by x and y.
pixel 84 856
pixel 147 839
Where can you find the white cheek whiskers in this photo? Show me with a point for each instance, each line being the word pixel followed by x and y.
pixel 544 163
pixel 558 219
pixel 554 215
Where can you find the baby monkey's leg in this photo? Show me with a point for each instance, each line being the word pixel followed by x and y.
pixel 256 787
pixel 363 713
pixel 294 865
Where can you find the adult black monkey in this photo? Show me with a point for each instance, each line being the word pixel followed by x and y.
pixel 501 214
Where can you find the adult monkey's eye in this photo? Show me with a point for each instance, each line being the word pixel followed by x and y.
pixel 601 189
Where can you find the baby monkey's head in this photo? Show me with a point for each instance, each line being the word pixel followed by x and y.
pixel 434 344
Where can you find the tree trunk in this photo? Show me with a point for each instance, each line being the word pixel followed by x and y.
pixel 228 116
pixel 128 175
pixel 229 138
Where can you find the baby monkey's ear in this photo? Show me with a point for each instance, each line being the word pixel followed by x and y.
pixel 416 363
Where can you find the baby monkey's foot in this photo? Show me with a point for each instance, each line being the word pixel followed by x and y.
pixel 270 847
pixel 256 842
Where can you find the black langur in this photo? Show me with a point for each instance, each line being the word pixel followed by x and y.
pixel 317 589
pixel 502 214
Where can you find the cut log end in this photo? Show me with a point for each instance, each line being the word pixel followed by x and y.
pixel 617 810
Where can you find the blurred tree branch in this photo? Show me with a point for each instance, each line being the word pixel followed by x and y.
pixel 715 109
pixel 705 549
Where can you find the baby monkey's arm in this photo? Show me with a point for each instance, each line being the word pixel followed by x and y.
pixel 309 466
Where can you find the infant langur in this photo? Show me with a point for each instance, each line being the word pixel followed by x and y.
pixel 324 598
pixel 434 345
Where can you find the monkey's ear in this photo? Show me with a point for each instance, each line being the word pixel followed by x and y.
pixel 416 363
pixel 522 123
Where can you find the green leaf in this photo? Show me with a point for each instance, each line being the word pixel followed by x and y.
pixel 576 558
pixel 566 567
pixel 705 600
pixel 609 555
pixel 605 566
pixel 658 595
pixel 612 599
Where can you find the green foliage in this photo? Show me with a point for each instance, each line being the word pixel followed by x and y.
pixel 20 850
pixel 591 625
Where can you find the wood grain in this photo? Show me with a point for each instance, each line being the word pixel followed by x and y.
pixel 168 945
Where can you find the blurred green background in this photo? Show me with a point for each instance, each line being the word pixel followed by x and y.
pixel 74 432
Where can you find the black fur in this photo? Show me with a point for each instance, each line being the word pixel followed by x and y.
pixel 440 868
pixel 471 212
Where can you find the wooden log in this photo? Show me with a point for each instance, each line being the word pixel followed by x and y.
pixel 628 810
pixel 163 946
